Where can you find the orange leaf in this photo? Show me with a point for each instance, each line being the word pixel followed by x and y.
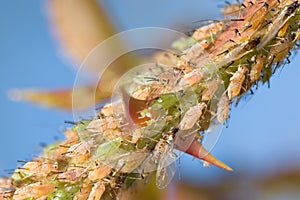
pixel 60 98
pixel 79 25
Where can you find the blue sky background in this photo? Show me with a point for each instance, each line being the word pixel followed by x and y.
pixel 264 132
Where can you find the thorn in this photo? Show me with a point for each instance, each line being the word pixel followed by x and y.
pixel 133 107
pixel 196 149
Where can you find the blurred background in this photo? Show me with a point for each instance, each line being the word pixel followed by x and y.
pixel 261 143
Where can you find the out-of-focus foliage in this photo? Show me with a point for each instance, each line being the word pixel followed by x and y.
pixel 80 26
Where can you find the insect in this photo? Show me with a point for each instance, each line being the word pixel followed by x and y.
pixel 97 191
pixel 191 78
pixel 236 52
pixel 165 158
pixel 84 192
pixel 232 9
pixel 128 162
pixel 190 54
pixel 6 188
pixel 34 190
pixel 191 116
pixel 256 67
pixel 283 17
pixel 162 159
pixel 64 191
pixel 210 89
pixel 80 151
pixel 236 81
pixel 223 108
pixel 108 148
pixel 208 31
pixel 241 31
pixel 102 124
pixel 253 21
pixel 281 49
pixel 99 172
pixel 37 168
pixel 72 175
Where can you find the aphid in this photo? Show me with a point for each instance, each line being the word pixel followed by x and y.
pixel 190 54
pixel 99 172
pixel 34 190
pixel 166 159
pixel 252 22
pixel 84 192
pixel 165 58
pixel 157 85
pixel 191 116
pixel 5 183
pixel 182 44
pixel 64 191
pixel 210 89
pixel 168 79
pixel 236 81
pixel 72 175
pixel 97 191
pixel 81 151
pixel 100 125
pixel 107 110
pixel 191 78
pixel 235 53
pixel 80 126
pixel 256 67
pixel 232 9
pixel 128 162
pixel 241 30
pixel 208 31
pixel 281 49
pixel 162 159
pixel 223 108
pixel 108 148
pixel 38 168
pixel 283 17
pixel 6 188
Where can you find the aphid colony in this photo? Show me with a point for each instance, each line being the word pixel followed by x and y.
pixel 103 156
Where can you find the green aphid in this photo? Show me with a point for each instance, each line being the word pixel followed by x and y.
pixel 188 98
pixel 21 177
pixel 167 100
pixel 156 106
pixel 145 113
pixel 108 148
pixel 64 192
pixel 81 126
pixel 17 175
pixel 183 43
